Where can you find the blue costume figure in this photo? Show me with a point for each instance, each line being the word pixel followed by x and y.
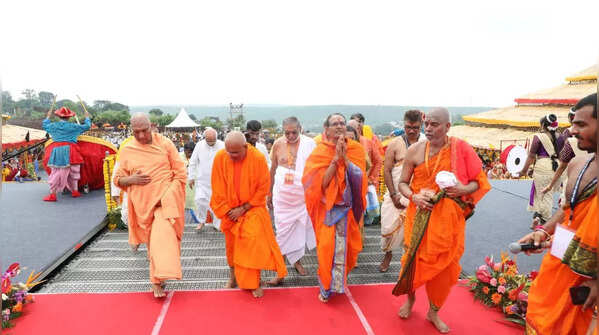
pixel 65 159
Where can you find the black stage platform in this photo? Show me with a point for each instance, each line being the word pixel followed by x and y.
pixel 40 235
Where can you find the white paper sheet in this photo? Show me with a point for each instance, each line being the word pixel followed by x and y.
pixel 561 240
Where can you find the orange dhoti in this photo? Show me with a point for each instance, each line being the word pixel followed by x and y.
pixel 434 240
pixel 251 245
pixel 156 210
pixel 550 308
pixel 336 212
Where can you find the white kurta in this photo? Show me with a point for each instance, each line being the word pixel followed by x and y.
pixel 262 148
pixel 200 170
pixel 115 192
pixel 293 225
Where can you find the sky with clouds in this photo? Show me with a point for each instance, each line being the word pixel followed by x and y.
pixel 445 53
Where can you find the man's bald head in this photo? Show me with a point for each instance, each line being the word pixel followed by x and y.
pixel 235 145
pixel 140 119
pixel 440 114
pixel 210 136
pixel 141 127
pixel 436 125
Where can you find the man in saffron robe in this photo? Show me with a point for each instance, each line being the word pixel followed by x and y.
pixel 240 184
pixel 550 308
pixel 335 185
pixel 436 219
pixel 294 228
pixel 154 176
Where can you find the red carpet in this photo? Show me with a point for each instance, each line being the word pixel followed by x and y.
pixel 292 310
pixel 461 313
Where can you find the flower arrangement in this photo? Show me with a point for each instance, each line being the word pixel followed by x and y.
pixel 113 219
pixel 501 285
pixel 14 296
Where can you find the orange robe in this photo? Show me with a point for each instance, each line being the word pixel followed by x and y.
pixel 156 210
pixel 550 308
pixel 250 241
pixel 434 250
pixel 336 214
pixel 375 159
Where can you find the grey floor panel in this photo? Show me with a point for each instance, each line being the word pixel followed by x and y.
pixel 107 265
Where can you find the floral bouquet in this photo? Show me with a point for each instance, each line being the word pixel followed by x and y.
pixel 113 219
pixel 14 296
pixel 501 285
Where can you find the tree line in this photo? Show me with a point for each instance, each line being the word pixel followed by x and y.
pixel 33 106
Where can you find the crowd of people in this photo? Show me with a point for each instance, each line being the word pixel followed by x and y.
pixel 320 192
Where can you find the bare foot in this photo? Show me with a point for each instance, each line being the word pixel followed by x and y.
pixel 433 317
pixel 200 226
pixel 300 269
pixel 133 247
pixel 322 299
pixel 158 290
pixel 386 262
pixel 258 293
pixel 406 309
pixel 275 282
pixel 232 283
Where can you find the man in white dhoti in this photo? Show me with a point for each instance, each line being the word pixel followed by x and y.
pixel 200 175
pixel 394 204
pixel 293 226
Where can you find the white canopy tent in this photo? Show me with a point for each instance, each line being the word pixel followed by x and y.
pixel 182 121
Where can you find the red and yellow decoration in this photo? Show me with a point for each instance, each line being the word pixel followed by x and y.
pixel 15 296
pixel 501 285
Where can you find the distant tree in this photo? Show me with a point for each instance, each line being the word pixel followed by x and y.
pixel 193 117
pixel 8 104
pixel 384 129
pixel 112 117
pixel 162 120
pixel 46 99
pixel 269 124
pixel 31 98
pixel 118 107
pixel 238 121
pixel 29 94
pixel 156 112
pixel 212 122
pixel 101 105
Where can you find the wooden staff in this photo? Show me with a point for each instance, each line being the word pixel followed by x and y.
pixel 82 105
pixel 53 104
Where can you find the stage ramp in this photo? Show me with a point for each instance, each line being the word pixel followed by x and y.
pixel 42 235
pixel 107 264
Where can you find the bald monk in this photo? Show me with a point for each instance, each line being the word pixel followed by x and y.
pixel 550 307
pixel 435 221
pixel 335 184
pixel 240 184
pixel 154 176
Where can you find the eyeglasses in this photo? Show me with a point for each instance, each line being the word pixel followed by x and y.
pixel 337 124
pixel 412 128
